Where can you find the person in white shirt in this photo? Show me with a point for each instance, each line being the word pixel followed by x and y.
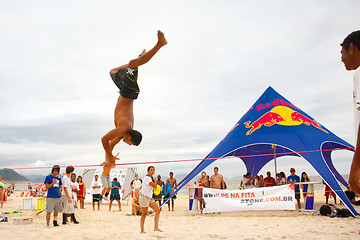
pixel 136 183
pixel 67 196
pixel 74 188
pixel 247 181
pixel 146 200
pixel 350 56
pixel 96 190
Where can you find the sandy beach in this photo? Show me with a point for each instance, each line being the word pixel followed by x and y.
pixel 182 224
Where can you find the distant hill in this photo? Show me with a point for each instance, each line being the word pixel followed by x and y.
pixel 36 178
pixel 9 175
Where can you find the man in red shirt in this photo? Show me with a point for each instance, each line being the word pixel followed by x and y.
pixel 269 181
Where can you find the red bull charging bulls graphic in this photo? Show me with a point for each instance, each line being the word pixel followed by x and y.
pixel 281 115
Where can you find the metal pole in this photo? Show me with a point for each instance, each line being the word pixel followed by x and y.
pixel 274 147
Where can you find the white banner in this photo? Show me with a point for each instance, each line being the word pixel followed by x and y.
pixel 265 198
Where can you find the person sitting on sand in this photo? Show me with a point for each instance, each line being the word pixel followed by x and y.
pixel 146 200
pixel 136 208
pixel 125 78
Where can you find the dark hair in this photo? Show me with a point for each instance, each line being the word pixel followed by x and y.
pixel 353 38
pixel 115 179
pixel 69 169
pixel 283 175
pixel 55 167
pixel 74 174
pixel 302 178
pixel 136 137
pixel 171 173
pixel 150 168
pixel 78 178
pixel 216 168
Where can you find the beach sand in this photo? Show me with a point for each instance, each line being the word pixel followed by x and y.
pixel 182 224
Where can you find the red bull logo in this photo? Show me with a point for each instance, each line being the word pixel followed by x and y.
pixel 283 116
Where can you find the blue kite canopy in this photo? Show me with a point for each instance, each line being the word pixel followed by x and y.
pixel 275 124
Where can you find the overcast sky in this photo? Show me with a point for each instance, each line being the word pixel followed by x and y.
pixel 57 98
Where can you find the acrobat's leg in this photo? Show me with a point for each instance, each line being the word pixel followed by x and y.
pixel 146 56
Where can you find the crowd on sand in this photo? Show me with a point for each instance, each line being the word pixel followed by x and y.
pixel 66 192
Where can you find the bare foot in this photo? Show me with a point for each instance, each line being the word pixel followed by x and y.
pixel 142 231
pixel 161 38
pixel 158 230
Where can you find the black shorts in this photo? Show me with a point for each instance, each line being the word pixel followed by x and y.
pixel 126 80
pixel 297 195
pixel 115 197
pixel 96 198
pixel 168 195
pixel 157 197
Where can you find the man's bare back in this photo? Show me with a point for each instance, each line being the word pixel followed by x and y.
pixel 123 116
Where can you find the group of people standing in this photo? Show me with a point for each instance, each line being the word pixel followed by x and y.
pixel 259 181
pixel 112 188
pixel 62 195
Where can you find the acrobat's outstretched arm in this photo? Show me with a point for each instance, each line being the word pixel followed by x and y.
pixel 109 141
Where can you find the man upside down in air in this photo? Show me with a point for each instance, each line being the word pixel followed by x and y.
pixel 125 78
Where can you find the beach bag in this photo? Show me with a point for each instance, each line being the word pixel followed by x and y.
pixel 325 210
pixel 223 186
pixel 330 210
pixel 343 212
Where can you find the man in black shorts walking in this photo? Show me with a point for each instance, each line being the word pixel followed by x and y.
pixel 125 78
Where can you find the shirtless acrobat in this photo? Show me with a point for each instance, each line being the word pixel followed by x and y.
pixel 125 78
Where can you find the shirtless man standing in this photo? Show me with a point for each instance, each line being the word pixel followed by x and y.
pixel 125 78
pixel 216 180
pixel 106 182
pixel 171 180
